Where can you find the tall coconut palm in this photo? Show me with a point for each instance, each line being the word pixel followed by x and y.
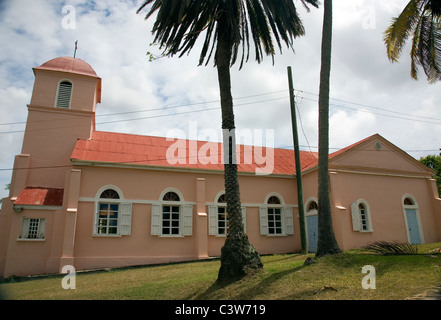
pixel 326 243
pixel 228 26
pixel 422 20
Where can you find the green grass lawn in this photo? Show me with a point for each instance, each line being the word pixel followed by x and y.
pixel 284 277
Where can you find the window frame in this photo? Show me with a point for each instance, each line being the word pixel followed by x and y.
pixel 286 217
pixel 170 220
pixel 124 213
pixel 358 221
pixel 272 219
pixel 185 215
pixel 213 216
pixel 40 232
pixel 222 206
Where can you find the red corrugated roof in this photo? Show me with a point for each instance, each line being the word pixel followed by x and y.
pixel 122 148
pixel 38 196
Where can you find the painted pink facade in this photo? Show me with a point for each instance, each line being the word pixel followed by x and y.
pixel 96 199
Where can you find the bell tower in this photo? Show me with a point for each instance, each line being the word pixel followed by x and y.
pixel 62 110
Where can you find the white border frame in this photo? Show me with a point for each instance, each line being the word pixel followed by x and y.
pixel 369 219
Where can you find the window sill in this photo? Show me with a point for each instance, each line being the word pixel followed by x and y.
pixel 171 236
pixel 30 240
pixel 107 235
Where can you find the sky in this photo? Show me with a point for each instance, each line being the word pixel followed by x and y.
pixel 369 94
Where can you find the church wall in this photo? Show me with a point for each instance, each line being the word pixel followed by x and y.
pixel 384 196
pixel 143 188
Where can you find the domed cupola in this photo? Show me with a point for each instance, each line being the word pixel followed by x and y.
pixel 68 83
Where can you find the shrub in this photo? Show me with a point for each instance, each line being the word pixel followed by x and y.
pixel 390 248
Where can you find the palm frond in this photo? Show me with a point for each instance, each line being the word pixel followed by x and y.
pixel 179 23
pixel 390 248
pixel 396 35
pixel 422 19
pixel 429 49
pixel 414 51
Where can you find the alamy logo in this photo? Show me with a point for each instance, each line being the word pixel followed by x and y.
pixel 368 281
pixel 189 150
pixel 69 280
pixel 69 20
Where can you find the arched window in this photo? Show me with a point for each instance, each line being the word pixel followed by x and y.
pixel 408 202
pixel 218 217
pixel 171 196
pixel 273 200
pixel 361 216
pixel 312 206
pixel 171 214
pixel 109 194
pixel 274 216
pixel 113 215
pixel 64 94
pixel 108 212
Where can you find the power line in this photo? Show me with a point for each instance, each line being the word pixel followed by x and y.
pixel 432 119
pixel 147 117
pixel 298 96
pixel 375 108
pixel 157 109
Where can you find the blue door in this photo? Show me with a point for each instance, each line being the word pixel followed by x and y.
pixel 412 224
pixel 312 222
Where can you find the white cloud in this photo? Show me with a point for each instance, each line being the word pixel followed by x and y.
pixel 346 128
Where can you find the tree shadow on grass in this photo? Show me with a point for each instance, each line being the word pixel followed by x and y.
pixel 256 290
pixel 250 293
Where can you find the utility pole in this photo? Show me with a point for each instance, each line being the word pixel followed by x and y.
pixel 297 161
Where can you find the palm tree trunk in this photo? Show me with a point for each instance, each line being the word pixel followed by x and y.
pixel 326 238
pixel 238 256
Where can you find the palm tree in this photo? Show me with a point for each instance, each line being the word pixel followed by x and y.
pixel 422 19
pixel 228 26
pixel 326 243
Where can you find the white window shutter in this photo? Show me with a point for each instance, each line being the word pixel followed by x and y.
pixel 187 226
pixel 212 220
pixel 41 228
pixel 244 219
pixel 263 217
pixel 126 219
pixel 25 228
pixel 356 219
pixel 289 222
pixel 156 220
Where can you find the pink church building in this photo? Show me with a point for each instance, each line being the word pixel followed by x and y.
pixel 94 199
